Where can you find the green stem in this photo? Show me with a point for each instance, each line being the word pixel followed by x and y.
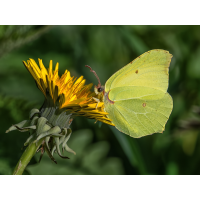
pixel 26 157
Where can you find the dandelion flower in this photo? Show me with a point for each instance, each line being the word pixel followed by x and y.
pixel 65 98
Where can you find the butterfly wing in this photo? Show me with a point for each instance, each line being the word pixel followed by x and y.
pixel 142 114
pixel 136 97
pixel 150 70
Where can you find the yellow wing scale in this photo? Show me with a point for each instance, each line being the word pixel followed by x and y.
pixel 139 91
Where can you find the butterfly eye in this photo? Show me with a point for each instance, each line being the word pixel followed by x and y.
pixel 100 89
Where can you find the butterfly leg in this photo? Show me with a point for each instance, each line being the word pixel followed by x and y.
pixel 97 100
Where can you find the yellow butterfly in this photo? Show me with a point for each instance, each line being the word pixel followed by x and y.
pixel 136 97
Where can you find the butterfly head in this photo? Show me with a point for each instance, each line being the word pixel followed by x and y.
pixel 99 89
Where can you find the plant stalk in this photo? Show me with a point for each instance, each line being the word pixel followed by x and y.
pixel 26 157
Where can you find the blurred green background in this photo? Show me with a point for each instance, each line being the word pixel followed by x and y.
pixel 102 149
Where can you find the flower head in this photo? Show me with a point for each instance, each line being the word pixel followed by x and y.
pixel 65 98
pixel 66 92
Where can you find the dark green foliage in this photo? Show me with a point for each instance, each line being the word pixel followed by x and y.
pixel 102 149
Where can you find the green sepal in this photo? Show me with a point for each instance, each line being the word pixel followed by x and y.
pixel 58 149
pixel 33 122
pixel 47 141
pixel 46 128
pixel 67 136
pixel 68 149
pixel 47 134
pixel 52 132
pixel 49 153
pixel 33 112
pixel 24 129
pixel 29 140
pixel 40 125
pixel 54 146
pixel 53 150
pixel 20 125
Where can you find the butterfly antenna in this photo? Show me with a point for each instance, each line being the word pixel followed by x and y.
pixel 99 85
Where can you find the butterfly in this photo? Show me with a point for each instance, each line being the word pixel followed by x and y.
pixel 136 97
